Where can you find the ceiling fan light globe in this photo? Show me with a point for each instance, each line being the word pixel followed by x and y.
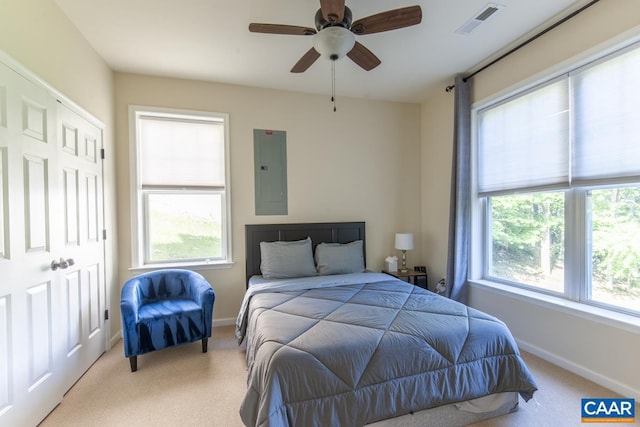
pixel 334 42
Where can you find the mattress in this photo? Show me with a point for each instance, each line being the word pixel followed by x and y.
pixel 359 348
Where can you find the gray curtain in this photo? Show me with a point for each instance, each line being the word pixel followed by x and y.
pixel 460 209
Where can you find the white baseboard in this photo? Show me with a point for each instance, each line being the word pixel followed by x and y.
pixel 224 322
pixel 115 338
pixel 623 389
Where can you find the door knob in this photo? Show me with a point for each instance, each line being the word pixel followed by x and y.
pixel 62 264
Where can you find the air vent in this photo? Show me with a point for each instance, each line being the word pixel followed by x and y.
pixel 490 10
pixel 487 12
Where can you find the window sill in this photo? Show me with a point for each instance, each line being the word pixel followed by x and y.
pixel 608 317
pixel 196 266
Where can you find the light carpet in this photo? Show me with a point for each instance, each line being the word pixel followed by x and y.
pixel 181 386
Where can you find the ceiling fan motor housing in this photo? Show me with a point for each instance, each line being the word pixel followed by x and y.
pixel 322 23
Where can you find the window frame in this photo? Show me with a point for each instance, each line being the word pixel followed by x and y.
pixel 139 195
pixel 577 255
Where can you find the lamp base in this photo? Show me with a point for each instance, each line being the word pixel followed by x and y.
pixel 404 268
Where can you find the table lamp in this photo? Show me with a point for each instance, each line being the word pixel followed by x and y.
pixel 404 242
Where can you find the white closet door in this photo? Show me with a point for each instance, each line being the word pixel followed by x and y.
pixel 49 313
pixel 82 284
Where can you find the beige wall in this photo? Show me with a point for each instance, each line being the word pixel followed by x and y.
pixel 37 35
pixel 437 151
pixel 359 163
pixel 594 349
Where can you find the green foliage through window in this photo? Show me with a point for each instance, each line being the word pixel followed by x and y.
pixel 528 238
pixel 184 227
pixel 615 218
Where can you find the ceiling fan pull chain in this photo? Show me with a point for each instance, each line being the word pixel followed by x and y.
pixel 333 84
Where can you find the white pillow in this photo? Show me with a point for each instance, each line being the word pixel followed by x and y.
pixel 284 260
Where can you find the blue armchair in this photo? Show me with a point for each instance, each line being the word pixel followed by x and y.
pixel 164 308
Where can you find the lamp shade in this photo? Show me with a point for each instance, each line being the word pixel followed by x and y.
pixel 404 241
pixel 334 42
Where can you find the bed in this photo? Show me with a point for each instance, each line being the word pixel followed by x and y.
pixel 336 344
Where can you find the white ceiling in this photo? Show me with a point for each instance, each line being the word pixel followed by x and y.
pixel 209 40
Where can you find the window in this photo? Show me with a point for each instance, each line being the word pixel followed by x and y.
pixel 180 178
pixel 527 232
pixel 558 185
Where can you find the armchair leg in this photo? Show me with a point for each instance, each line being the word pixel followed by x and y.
pixel 133 361
pixel 205 342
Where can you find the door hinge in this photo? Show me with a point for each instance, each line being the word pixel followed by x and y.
pixel 102 153
pixel 104 234
pixel 106 315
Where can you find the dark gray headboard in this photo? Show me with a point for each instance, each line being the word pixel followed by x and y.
pixel 327 232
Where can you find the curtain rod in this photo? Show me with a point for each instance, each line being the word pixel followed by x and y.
pixel 526 42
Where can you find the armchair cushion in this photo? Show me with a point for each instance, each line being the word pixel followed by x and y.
pixel 165 308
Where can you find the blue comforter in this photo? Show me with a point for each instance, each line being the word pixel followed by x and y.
pixel 359 348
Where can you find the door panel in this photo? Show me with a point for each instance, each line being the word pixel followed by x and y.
pixel 95 301
pixel 93 207
pixel 72 294
pixel 35 203
pixel 51 319
pixel 70 178
pixel 39 329
pixel 81 173
pixel 34 119
pixel 30 291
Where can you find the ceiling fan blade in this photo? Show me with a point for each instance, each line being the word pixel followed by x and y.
pixel 389 20
pixel 306 61
pixel 281 29
pixel 332 10
pixel 363 57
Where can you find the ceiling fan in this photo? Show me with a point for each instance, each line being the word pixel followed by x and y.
pixel 334 35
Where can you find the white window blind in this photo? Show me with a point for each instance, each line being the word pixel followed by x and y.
pixel 524 142
pixel 581 129
pixel 607 119
pixel 187 153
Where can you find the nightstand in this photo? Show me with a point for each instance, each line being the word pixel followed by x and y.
pixel 411 276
